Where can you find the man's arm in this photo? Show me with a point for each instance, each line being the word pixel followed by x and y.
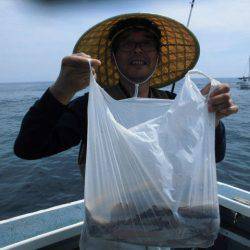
pixel 50 127
pixel 53 124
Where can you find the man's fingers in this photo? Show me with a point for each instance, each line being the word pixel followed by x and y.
pixel 83 58
pixel 95 63
pixel 80 62
pixel 222 98
pixel 220 104
pixel 228 111
pixel 206 89
pixel 219 107
pixel 82 54
pixel 220 89
pixel 83 61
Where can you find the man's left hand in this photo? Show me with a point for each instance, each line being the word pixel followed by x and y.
pixel 220 101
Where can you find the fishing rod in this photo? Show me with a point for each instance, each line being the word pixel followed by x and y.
pixel 189 18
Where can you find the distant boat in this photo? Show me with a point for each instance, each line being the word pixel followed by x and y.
pixel 244 82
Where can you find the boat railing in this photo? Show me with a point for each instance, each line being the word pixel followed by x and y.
pixel 64 222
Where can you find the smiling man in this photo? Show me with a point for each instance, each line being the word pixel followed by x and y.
pixel 133 62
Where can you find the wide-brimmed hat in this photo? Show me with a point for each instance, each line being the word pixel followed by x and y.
pixel 179 49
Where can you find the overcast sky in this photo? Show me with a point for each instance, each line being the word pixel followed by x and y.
pixel 37 34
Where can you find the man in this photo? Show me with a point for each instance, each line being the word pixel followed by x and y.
pixel 54 124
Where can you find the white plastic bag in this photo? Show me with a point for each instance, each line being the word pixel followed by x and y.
pixel 150 170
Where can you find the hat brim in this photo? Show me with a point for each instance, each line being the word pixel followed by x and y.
pixel 179 51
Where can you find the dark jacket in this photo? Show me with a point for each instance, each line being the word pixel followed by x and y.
pixel 50 127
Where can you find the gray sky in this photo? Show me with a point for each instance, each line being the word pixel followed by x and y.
pixel 37 34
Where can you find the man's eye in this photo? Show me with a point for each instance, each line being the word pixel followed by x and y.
pixel 128 44
pixel 148 44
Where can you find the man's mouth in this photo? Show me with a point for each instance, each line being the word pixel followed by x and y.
pixel 138 62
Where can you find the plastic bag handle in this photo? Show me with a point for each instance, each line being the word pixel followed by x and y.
pixel 91 76
pixel 214 83
pixel 196 71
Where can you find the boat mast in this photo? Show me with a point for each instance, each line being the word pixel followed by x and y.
pixel 249 68
pixel 189 17
pixel 190 13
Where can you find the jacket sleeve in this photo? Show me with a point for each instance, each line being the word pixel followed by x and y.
pixel 220 142
pixel 50 127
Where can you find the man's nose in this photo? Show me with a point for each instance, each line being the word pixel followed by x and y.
pixel 138 48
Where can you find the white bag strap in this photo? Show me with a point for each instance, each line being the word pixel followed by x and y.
pixel 196 71
pixel 91 76
pixel 214 83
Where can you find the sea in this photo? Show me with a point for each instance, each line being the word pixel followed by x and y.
pixel 30 185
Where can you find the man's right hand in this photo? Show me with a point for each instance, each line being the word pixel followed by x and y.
pixel 73 77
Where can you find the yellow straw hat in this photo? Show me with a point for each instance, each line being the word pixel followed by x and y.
pixel 179 49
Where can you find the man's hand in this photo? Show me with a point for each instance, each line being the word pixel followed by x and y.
pixel 73 77
pixel 220 101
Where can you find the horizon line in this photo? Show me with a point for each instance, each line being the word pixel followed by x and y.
pixel 46 81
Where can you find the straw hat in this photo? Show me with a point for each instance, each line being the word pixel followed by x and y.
pixel 180 49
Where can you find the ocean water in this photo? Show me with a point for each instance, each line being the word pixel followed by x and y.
pixel 27 186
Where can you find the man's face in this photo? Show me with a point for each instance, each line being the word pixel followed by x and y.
pixel 137 54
